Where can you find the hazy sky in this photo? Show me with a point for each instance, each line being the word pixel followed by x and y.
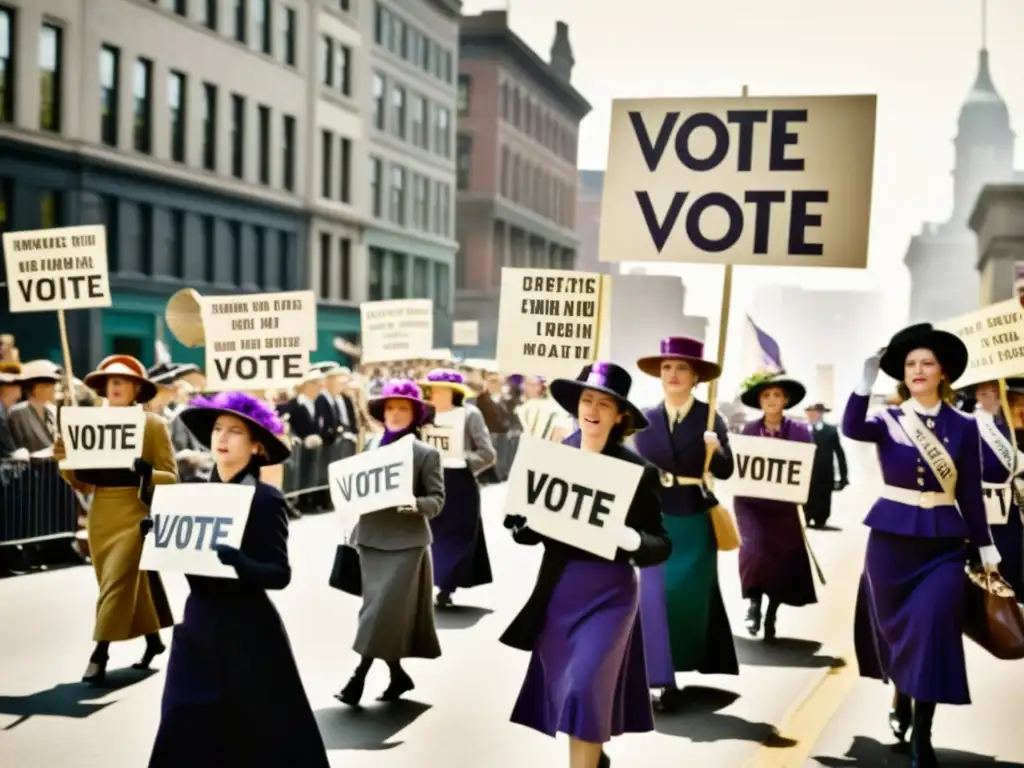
pixel 919 56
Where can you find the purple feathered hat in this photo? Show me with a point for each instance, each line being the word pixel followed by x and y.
pixel 264 425
pixel 516 380
pixel 402 389
pixel 447 378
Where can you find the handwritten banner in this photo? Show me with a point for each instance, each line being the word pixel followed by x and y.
pixel 61 268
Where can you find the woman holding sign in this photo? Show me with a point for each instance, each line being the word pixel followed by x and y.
pixel 397 618
pixel 774 563
pixel 909 619
pixel 233 694
pixel 588 676
pixel 459 549
pixel 131 603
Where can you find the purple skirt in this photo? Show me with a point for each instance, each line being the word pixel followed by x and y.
pixel 459 549
pixel 587 675
pixel 908 625
pixel 773 554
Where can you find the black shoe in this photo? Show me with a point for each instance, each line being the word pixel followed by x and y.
pixel 922 753
pixel 400 684
pixel 670 700
pixel 769 621
pixel 352 693
pixel 605 761
pixel 95 673
pixel 900 715
pixel 444 599
pixel 152 651
pixel 754 618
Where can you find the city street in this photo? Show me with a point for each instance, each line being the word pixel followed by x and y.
pixel 795 704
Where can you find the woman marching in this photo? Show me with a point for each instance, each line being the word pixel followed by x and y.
pixel 459 549
pixel 909 619
pixel 233 694
pixel 397 618
pixel 686 627
pixel 587 675
pixel 774 562
pixel 131 603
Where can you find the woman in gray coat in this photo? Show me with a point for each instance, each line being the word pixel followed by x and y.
pixel 397 618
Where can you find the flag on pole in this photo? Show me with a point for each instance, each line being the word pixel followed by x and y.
pixel 761 351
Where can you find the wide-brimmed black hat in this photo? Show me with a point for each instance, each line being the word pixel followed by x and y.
pixel 167 373
pixel 606 378
pixel 947 348
pixel 820 407
pixel 264 424
pixel 794 390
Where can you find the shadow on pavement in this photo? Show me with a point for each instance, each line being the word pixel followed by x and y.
pixel 784 652
pixel 367 728
pixel 74 700
pixel 459 616
pixel 865 752
pixel 699 720
pixel 826 528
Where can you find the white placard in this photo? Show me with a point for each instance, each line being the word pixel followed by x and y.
pixel 770 468
pixel 465 333
pixel 62 268
pixel 448 435
pixel 189 521
pixel 258 340
pixel 439 355
pixel 400 329
pixel 550 321
pixel 102 438
pixel 374 480
pixel 572 496
pixel 997 500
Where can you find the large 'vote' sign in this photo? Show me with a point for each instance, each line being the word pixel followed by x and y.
pixel 189 521
pixel 102 438
pixel 62 268
pixel 572 496
pixel 757 181
pixel 373 480
pixel 448 435
pixel 769 468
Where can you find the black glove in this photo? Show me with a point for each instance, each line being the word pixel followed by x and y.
pixel 512 522
pixel 144 470
pixel 228 555
pixel 840 484
pixel 145 526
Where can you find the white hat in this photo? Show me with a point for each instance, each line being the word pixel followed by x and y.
pixel 36 371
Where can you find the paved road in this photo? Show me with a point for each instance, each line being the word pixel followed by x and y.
pixel 458 715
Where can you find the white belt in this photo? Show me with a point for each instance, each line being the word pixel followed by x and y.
pixel 994 489
pixel 922 499
pixel 668 480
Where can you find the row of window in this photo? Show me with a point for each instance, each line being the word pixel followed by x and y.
pixel 531 117
pixel 402 39
pixel 531 186
pixel 336 65
pixel 389 277
pixel 412 118
pixel 427 209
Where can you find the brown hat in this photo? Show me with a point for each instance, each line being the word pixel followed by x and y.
pixel 125 367
pixel 10 372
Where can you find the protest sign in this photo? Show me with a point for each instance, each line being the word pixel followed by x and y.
pixel 777 181
pixel 374 480
pixel 448 435
pixel 259 340
pixel 62 268
pixel 551 321
pixel 572 496
pixel 189 521
pixel 768 468
pixel 994 336
pixel 465 333
pixel 102 438
pixel 401 329
pixel 439 355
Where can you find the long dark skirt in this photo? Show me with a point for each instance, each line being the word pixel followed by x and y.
pixel 1009 540
pixel 233 695
pixel 686 628
pixel 773 554
pixel 909 617
pixel 459 550
pixel 587 675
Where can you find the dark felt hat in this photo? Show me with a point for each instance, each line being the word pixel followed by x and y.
pixel 606 378
pixel 947 347
pixel 690 351
pixel 795 391
pixel 820 407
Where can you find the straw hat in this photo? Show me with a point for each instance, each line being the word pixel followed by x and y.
pixel 185 318
pixel 125 367
pixel 10 372
pixel 38 372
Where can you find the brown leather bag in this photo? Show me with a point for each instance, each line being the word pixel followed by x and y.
pixel 992 617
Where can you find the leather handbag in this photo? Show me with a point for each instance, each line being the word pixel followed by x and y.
pixel 347 575
pixel 992 617
pixel 726 533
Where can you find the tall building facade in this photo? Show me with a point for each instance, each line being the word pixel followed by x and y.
pixel 410 237
pixel 518 131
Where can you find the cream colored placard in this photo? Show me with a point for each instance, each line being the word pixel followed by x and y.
pixel 769 468
pixel 448 435
pixel 62 268
pixel 550 321
pixel 102 438
pixel 395 330
pixel 465 333
pixel 791 186
pixel 994 337
pixel 374 480
pixel 258 341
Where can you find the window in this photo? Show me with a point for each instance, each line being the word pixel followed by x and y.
pixel 446 210
pixel 261 255
pixel 380 23
pixel 240 18
pixel 142 90
pixel 327 60
pixel 49 210
pixel 504 172
pixel 288 147
pixel 419 121
pixel 176 89
pixel 419 184
pixel 345 267
pixel 503 101
pixel 110 81
pixel 435 208
pixel 345 70
pixel 398 195
pixel 399 261
pixel 235 249
pixel 397 36
pixel 426 54
pixel 463 155
pixel 398 104
pixel 264 33
pixel 209 127
pixel 326 163
pixel 144 240
pixel 176 244
pixel 264 140
pixel 375 286
pixel 237 136
pixel 50 52
pixel 376 191
pixel 345 189
pixel 324 288
pixel 420 281
pixel 111 219
pixel 288 30
pixel 449 68
pixel 442 285
pixel 464 84
pixel 378 101
pixel 6 65
pixel 208 13
pixel 181 7
pixel 209 249
pixel 443 139
pixel 284 248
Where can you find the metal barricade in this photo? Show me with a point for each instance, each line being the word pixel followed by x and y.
pixel 35 503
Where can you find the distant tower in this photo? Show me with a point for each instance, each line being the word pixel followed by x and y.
pixel 562 61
